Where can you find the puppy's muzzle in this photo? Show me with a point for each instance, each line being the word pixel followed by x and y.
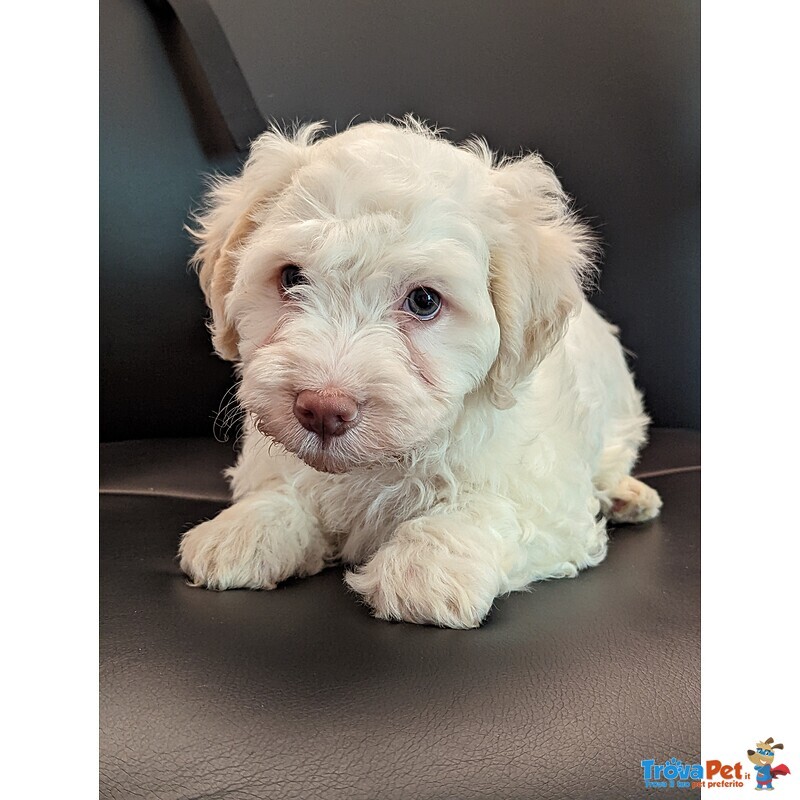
pixel 327 413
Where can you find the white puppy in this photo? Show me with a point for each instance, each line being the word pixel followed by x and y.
pixel 429 397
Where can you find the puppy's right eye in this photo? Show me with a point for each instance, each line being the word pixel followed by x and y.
pixel 292 276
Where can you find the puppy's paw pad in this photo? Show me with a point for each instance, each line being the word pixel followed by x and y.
pixel 633 501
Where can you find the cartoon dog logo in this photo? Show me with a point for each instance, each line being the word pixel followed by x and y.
pixel 762 757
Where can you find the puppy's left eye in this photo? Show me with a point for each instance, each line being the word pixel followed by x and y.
pixel 292 276
pixel 423 303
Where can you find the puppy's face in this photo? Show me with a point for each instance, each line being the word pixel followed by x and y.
pixel 357 281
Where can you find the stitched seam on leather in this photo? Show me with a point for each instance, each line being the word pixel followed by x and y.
pixel 657 473
pixel 161 493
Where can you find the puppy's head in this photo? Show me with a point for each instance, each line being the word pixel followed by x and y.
pixel 370 281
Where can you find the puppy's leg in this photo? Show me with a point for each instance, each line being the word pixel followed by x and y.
pixel 622 497
pixel 631 501
pixel 447 568
pixel 256 543
pixel 435 569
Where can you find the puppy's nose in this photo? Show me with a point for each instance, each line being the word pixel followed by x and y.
pixel 326 413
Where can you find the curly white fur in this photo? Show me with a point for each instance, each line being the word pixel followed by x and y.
pixel 489 439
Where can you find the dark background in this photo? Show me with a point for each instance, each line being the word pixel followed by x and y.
pixel 608 92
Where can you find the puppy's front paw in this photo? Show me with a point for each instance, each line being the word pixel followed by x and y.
pixel 423 582
pixel 254 544
pixel 220 556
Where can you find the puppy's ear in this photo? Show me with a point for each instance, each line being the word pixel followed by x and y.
pixel 540 260
pixel 230 217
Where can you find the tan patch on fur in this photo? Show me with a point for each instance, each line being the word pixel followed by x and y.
pixel 217 274
pixel 524 339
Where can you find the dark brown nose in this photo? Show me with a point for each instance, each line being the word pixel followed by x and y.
pixel 327 413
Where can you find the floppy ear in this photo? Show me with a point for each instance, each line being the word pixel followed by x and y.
pixel 230 217
pixel 539 261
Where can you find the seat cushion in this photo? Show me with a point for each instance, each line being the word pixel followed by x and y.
pixel 299 693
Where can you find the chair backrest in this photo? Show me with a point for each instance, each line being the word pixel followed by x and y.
pixel 607 93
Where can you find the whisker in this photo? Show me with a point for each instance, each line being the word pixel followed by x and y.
pixel 228 415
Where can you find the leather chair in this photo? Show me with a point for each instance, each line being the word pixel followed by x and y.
pixel 298 692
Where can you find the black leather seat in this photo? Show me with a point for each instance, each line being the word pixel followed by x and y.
pixel 298 692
